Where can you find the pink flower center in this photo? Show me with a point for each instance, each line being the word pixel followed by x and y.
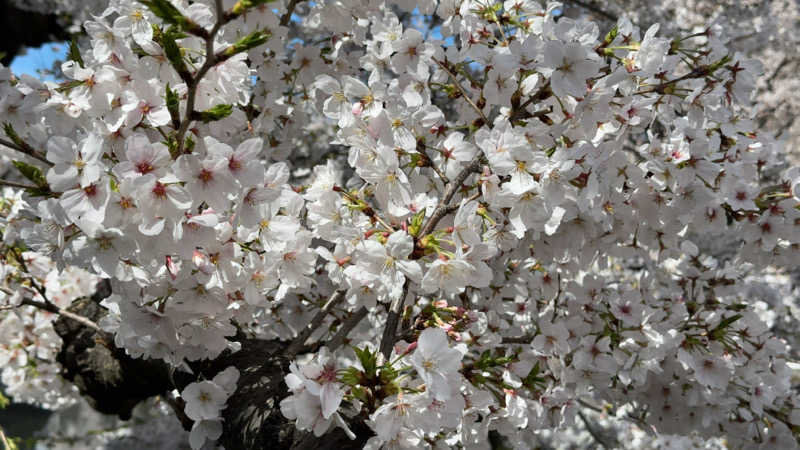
pixel 144 167
pixel 328 374
pixel 205 175
pixel 159 190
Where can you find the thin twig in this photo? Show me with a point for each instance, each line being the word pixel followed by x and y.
pixel 450 192
pixel 454 208
pixel 366 209
pixel 461 89
pixel 16 185
pixel 179 405
pixel 47 305
pixel 30 152
pixel 36 286
pixel 287 16
pixel 211 60
pixel 4 440
pixel 595 434
pixel 589 405
pixel 517 340
pixel 784 62
pixel 595 9
pixel 300 340
pixel 346 327
pixel 53 308
pixel 439 172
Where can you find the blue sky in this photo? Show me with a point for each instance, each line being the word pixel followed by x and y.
pixel 40 58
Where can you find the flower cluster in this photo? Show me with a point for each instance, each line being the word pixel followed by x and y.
pixel 28 342
pixel 205 401
pixel 316 394
pixel 510 216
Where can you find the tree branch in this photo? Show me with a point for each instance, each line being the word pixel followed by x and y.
pixel 518 340
pixel 300 340
pixel 50 307
pixel 393 317
pixel 287 16
pixel 114 383
pixel 595 9
pixel 4 440
pixel 450 192
pixel 16 185
pixel 179 405
pixel 211 60
pixel 461 90
pixel 346 328
pixel 27 151
pixel 603 441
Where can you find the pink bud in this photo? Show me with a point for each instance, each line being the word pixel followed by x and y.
pixel 173 271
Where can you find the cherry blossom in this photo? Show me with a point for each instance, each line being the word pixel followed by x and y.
pixel 465 224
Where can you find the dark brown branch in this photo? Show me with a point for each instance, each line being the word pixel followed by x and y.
pixel 597 434
pixel 301 338
pixel 113 383
pixel 517 340
pixel 16 185
pixel 211 60
pixel 393 317
pixel 179 406
pixel 287 16
pixel 50 307
pixel 346 328
pixel 441 209
pixel 461 89
pixel 27 151
pixel 589 5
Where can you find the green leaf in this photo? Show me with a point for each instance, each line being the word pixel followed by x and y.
pixel 612 34
pixel 4 401
pixel 351 376
pixel 533 380
pixel 252 40
pixel 75 53
pixel 165 11
pixel 416 223
pixel 32 173
pixel 722 61
pixel 172 51
pixel 484 361
pixel 242 5
pixel 388 375
pixel 359 393
pixel 69 85
pixel 172 107
pixel 368 360
pixel 188 144
pixel 719 332
pixel 12 134
pixel 216 113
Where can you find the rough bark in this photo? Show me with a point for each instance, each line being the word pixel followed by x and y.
pixel 114 383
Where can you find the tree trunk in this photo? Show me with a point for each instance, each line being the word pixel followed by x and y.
pixel 113 383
